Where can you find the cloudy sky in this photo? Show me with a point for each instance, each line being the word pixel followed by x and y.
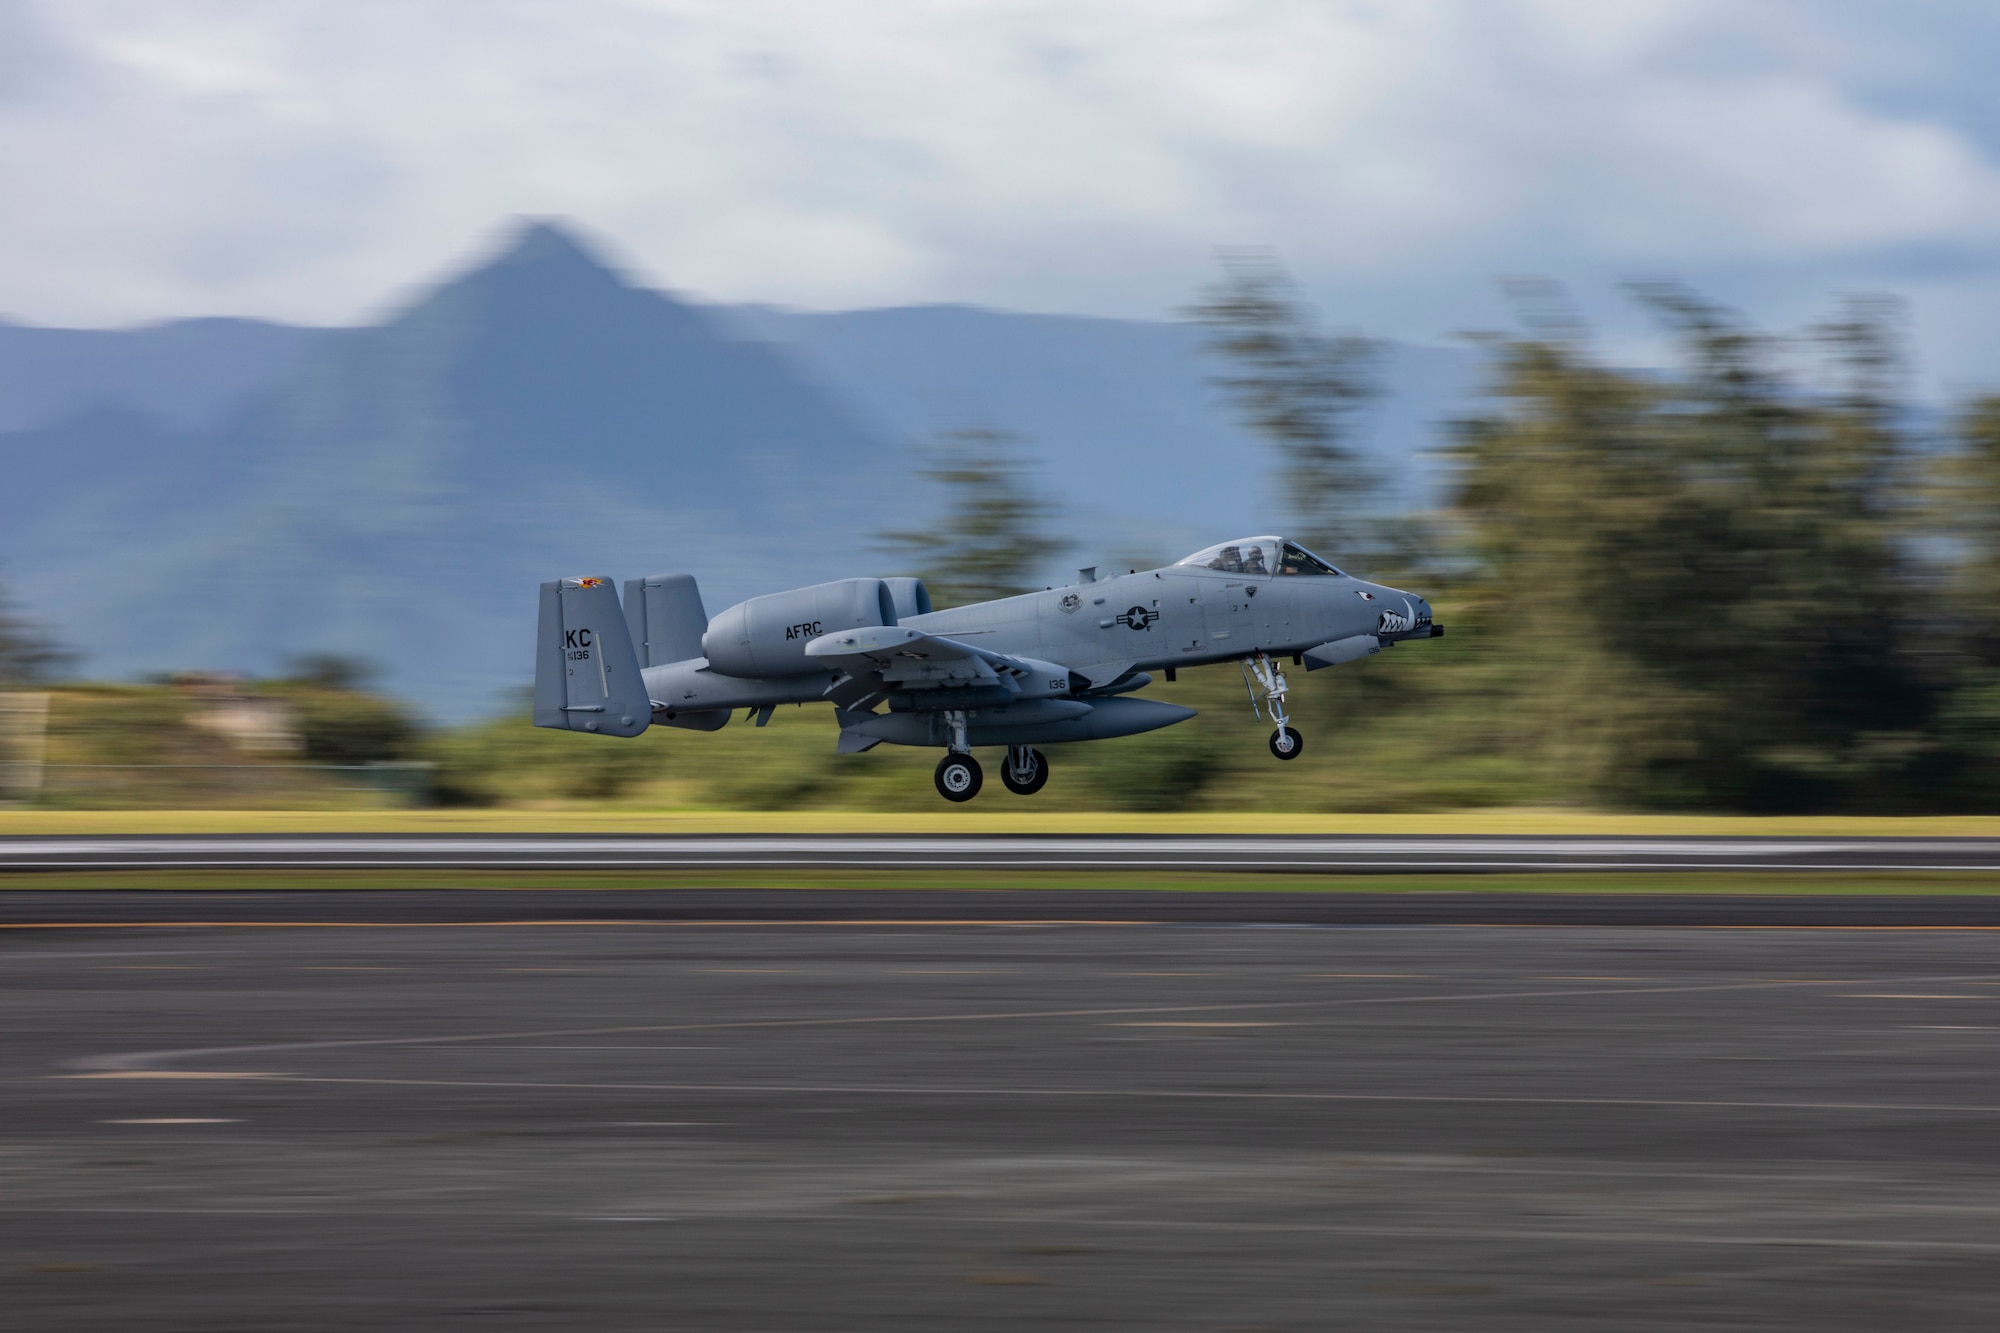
pixel 303 159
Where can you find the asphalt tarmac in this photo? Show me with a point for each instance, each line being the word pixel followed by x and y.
pixel 1148 852
pixel 793 1126
pixel 25 907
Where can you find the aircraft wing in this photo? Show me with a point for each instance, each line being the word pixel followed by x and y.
pixel 891 657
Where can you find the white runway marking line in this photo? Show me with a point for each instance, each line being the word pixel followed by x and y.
pixel 176 1120
pixel 101 1066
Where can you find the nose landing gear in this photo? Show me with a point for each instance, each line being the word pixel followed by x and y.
pixel 1026 771
pixel 1286 743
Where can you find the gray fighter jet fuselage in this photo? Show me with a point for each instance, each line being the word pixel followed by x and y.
pixel 1045 667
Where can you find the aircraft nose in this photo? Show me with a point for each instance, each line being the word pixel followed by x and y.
pixel 1407 614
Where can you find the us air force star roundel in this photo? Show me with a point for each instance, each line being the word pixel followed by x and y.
pixel 1139 618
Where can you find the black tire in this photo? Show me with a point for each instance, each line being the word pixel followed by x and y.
pixel 1287 744
pixel 958 777
pixel 1033 784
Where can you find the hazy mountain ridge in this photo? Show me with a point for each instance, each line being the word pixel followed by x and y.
pixel 397 490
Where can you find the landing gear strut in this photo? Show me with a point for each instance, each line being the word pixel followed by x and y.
pixel 1026 771
pixel 1286 743
pixel 958 776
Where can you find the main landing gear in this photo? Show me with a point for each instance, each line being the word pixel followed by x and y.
pixel 1286 743
pixel 1026 771
pixel 959 777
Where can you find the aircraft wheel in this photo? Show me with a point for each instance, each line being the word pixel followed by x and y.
pixel 958 777
pixel 1287 744
pixel 1039 780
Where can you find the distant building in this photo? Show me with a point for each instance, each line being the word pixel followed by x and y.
pixel 249 723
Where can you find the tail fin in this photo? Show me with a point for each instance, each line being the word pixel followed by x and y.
pixel 666 617
pixel 586 674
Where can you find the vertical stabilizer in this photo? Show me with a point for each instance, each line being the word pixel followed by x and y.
pixel 586 673
pixel 666 617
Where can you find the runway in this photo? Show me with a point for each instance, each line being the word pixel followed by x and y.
pixel 806 1127
pixel 482 904
pixel 1358 855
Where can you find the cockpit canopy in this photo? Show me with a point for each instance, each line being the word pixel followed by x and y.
pixel 1258 555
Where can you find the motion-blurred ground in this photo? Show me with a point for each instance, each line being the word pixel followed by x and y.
pixel 785 1127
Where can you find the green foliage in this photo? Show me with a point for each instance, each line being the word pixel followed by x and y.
pixel 1967 500
pixel 349 727
pixel 29 652
pixel 990 538
pixel 1705 576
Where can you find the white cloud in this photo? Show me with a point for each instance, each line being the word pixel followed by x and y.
pixel 298 159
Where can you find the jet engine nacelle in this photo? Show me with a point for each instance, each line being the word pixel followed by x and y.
pixel 767 636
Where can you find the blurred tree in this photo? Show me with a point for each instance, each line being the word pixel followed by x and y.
pixel 1706 576
pixel 332 671
pixel 350 727
pixel 1968 498
pixel 341 720
pixel 29 653
pixel 1966 512
pixel 990 540
pixel 1301 390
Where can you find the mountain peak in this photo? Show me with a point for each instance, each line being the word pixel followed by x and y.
pixel 549 241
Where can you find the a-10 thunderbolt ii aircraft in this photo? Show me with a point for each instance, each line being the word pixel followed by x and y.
pixel 1053 666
